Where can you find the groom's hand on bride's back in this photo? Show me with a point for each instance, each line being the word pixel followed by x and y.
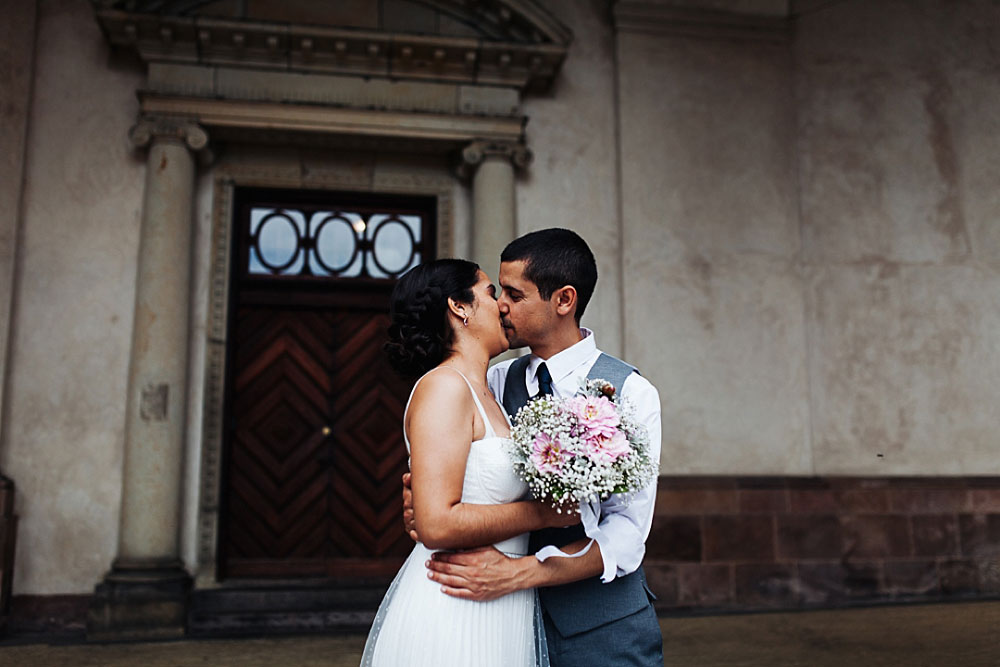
pixel 486 573
pixel 409 523
pixel 476 574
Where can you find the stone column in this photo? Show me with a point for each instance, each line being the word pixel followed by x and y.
pixel 494 208
pixel 144 594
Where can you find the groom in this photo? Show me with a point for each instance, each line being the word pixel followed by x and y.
pixel 547 277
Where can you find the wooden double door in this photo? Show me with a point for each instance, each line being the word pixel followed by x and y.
pixel 314 449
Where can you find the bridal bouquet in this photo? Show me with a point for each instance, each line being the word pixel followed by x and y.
pixel 581 449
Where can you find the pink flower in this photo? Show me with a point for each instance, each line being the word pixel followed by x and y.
pixel 547 454
pixel 597 416
pixel 607 450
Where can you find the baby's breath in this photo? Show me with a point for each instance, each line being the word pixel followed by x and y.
pixel 577 476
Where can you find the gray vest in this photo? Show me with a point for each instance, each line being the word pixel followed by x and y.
pixel 587 604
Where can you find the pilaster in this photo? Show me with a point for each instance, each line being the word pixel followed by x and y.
pixel 491 166
pixel 145 593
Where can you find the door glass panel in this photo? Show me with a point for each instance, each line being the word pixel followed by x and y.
pixel 361 243
pixel 336 244
pixel 277 245
pixel 394 240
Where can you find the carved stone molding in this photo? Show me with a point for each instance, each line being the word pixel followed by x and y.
pixel 498 59
pixel 515 21
pixel 184 131
pixel 371 94
pixel 477 151
pixel 213 398
pixel 445 130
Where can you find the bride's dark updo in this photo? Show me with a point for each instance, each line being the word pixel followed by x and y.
pixel 419 334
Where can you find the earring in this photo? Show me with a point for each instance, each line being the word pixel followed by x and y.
pixel 465 321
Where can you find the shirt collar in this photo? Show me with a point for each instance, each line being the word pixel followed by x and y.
pixel 563 363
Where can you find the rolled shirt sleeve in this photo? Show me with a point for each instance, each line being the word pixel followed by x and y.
pixel 625 521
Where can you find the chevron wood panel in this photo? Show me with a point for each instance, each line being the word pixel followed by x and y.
pixel 299 503
pixel 369 453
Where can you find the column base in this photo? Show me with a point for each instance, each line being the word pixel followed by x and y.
pixel 140 600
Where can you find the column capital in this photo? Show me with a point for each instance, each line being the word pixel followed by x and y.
pixel 475 152
pixel 151 128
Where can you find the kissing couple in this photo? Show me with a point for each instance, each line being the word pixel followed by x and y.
pixel 472 593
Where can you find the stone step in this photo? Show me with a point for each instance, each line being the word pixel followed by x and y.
pixel 246 611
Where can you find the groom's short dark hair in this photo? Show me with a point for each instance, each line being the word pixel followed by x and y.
pixel 554 258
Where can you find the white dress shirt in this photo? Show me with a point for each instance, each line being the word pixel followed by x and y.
pixel 624 522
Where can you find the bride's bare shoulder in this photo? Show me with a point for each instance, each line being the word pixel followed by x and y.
pixel 441 406
pixel 441 386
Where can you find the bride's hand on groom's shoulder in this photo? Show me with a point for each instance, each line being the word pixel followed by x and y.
pixel 560 516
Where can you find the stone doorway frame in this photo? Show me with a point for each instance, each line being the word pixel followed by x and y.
pixel 227 178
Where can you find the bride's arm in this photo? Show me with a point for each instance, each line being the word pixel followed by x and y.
pixel 440 425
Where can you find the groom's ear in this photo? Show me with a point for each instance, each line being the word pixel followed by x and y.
pixel 565 300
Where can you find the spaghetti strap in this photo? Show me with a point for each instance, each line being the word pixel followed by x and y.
pixel 490 431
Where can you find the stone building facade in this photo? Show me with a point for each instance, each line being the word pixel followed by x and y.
pixel 793 205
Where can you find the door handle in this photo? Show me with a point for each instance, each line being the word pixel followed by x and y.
pixel 326 459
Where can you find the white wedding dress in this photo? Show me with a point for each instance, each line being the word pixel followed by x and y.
pixel 418 625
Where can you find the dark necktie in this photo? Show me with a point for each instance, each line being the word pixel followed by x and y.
pixel 544 380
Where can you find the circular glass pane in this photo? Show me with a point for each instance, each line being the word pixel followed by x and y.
pixel 393 246
pixel 336 243
pixel 277 241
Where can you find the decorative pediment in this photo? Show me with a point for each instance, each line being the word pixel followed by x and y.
pixel 510 43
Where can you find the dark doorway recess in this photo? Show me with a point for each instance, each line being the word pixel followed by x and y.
pixel 313 450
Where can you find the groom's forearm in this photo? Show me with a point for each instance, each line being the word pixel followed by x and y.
pixel 556 570
pixel 486 574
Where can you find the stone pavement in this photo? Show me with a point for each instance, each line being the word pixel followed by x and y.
pixel 941 635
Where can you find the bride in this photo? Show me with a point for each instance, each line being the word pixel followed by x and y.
pixel 445 328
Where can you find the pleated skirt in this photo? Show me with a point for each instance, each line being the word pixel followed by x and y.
pixel 417 625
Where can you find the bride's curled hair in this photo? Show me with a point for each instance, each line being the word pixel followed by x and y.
pixel 419 334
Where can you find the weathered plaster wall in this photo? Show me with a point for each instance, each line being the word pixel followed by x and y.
pixel 573 181
pixel 810 236
pixel 73 310
pixel 898 146
pixel 713 293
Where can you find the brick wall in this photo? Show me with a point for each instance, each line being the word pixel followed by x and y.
pixel 722 543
